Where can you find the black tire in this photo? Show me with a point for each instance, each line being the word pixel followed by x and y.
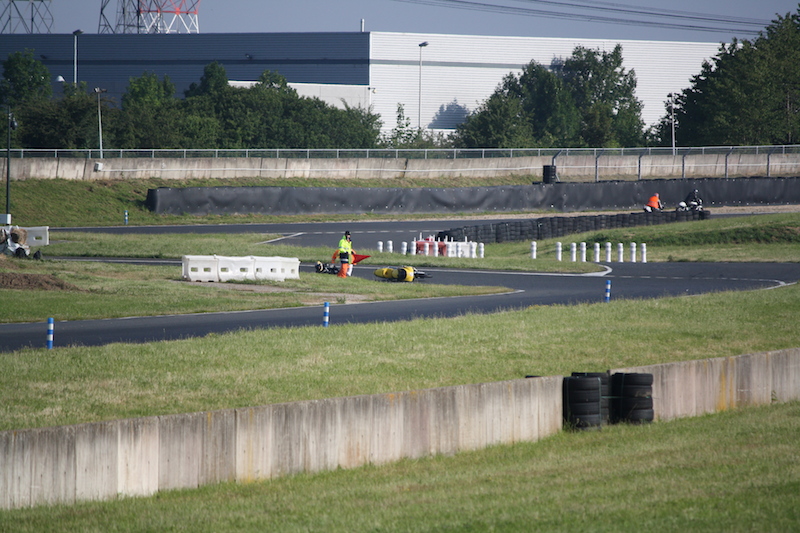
pixel 627 405
pixel 580 409
pixel 581 383
pixel 624 379
pixel 643 391
pixel 583 396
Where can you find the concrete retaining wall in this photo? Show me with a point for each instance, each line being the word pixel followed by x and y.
pixel 693 388
pixel 573 167
pixel 138 457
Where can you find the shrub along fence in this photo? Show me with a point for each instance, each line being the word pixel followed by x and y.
pixel 139 457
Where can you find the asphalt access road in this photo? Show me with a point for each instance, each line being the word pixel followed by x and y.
pixel 365 234
pixel 628 280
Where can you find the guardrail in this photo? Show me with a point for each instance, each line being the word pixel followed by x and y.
pixel 391 153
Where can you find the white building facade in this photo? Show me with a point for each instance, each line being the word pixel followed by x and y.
pixel 459 72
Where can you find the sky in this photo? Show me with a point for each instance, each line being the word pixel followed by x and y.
pixel 679 20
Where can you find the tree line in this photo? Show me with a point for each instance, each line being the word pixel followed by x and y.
pixel 748 94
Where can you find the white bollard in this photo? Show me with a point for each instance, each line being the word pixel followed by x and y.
pixel 573 252
pixel 389 247
pixel 583 252
pixel 480 250
pixel 533 250
pixel 412 250
pixel 380 246
pixel 427 247
pixel 473 250
pixel 644 252
pixel 404 247
pixel 435 245
pixel 597 252
pixel 608 252
pixel 620 253
pixel 633 252
pixel 558 251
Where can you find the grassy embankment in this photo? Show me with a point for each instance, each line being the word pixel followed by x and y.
pixel 65 203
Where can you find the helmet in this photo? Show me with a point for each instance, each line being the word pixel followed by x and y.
pixel 346 233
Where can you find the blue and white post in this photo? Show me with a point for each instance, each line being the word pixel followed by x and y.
pixel 126 217
pixel 608 291
pixel 50 328
pixel 326 315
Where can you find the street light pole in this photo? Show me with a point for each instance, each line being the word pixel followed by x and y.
pixel 12 125
pixel 672 119
pixel 99 91
pixel 75 56
pixel 419 105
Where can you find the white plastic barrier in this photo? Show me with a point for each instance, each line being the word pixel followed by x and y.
pixel 200 268
pixel 235 268
pixel 38 236
pixel 222 268
pixel 268 268
pixel 290 267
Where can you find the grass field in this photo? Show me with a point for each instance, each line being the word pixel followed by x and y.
pixel 731 471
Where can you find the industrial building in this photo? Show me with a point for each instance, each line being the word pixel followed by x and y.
pixel 438 78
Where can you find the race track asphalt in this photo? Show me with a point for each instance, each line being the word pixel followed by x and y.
pixel 628 281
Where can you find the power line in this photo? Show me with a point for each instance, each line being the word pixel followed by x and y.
pixel 693 22
pixel 652 12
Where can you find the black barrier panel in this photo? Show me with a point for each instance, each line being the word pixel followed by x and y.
pixel 559 196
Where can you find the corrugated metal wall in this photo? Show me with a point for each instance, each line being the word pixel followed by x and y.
pixel 109 61
pixel 461 71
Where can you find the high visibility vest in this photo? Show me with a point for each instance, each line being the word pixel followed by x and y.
pixel 345 246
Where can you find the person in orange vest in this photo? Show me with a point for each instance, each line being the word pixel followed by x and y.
pixel 345 252
pixel 654 204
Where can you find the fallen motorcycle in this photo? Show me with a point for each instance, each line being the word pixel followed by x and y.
pixel 326 268
pixel 407 274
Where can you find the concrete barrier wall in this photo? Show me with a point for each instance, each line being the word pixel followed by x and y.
pixel 138 457
pixel 692 388
pixel 574 167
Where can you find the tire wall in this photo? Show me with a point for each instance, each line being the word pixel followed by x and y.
pixel 139 457
pixel 557 196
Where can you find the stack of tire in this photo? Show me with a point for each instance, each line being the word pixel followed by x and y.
pixel 605 392
pixel 582 397
pixel 631 398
